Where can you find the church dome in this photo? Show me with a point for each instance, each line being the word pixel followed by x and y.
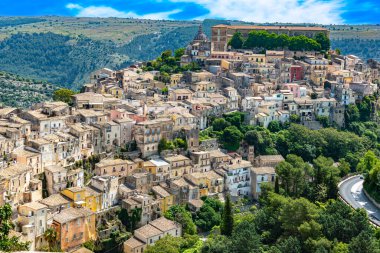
pixel 201 36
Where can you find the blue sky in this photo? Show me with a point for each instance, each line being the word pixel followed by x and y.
pixel 295 11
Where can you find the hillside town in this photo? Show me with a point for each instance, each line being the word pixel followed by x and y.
pixel 136 140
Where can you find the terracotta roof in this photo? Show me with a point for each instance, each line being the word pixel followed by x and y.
pixel 71 214
pixel 196 203
pixel 55 200
pixel 176 158
pixel 82 250
pixel 148 231
pixel 14 170
pixel 34 205
pixel 163 224
pixel 160 191
pixel 271 157
pixel 113 162
pixel 263 170
pixel 133 242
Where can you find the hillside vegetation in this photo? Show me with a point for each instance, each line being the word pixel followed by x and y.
pixel 65 50
pixel 56 58
pixel 22 92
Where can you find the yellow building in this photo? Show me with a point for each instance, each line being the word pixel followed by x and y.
pixel 150 167
pixel 175 79
pixel 166 199
pixel 318 77
pixel 255 58
pixel 84 197
pixel 209 182
pixel 116 92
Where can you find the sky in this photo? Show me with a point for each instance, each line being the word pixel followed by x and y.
pixel 293 11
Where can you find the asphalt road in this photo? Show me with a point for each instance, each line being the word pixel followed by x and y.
pixel 351 190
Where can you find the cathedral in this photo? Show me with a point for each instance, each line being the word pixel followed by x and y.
pixel 198 50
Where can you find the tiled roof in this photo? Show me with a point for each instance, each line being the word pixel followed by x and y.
pixel 148 231
pixel 14 170
pixel 71 213
pixel 163 224
pixel 160 191
pixel 34 205
pixel 55 200
pixel 133 242
pixel 263 170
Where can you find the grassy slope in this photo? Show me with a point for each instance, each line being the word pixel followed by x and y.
pixel 120 31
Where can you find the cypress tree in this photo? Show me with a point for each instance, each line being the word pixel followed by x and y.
pixel 228 219
pixel 276 186
pixel 332 188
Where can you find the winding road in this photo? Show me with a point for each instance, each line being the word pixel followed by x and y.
pixel 351 190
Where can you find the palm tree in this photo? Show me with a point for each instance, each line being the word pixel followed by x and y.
pixel 50 236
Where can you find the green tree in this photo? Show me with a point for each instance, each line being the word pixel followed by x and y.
pixel 130 220
pixel 277 186
pixel 344 167
pixel 323 40
pixel 167 244
pixel 289 245
pixel 340 222
pixel 245 239
pixel 9 243
pixel 351 114
pixel 166 54
pixel 180 143
pixel 364 243
pixel 51 237
pixel 236 41
pixel 324 120
pixel 220 124
pixel 231 138
pixel 63 95
pixel 295 212
pixel 209 214
pixel 179 53
pixel 165 145
pixel 274 126
pixel 340 247
pixel 367 162
pixel 182 216
pixel 216 244
pixel 294 118
pixel 228 218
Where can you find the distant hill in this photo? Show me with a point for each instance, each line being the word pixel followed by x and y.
pixel 20 92
pixel 65 50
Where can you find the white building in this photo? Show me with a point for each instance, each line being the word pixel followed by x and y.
pixel 108 185
pixel 238 177
pixel 260 175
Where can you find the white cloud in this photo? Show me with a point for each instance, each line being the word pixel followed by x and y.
pixel 106 12
pixel 72 6
pixel 294 11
